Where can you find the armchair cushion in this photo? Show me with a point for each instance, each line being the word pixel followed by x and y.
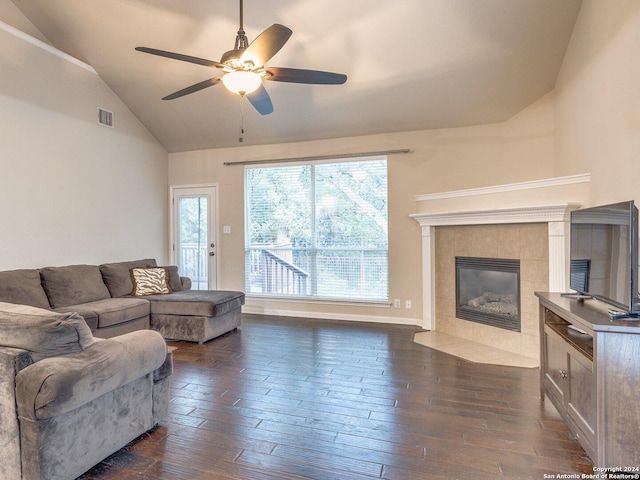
pixel 58 385
pixel 42 332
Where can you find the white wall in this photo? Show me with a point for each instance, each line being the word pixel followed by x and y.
pixel 72 191
pixel 598 101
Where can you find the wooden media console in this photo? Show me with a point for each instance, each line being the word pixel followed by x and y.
pixel 590 371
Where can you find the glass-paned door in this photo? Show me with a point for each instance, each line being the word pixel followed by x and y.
pixel 194 242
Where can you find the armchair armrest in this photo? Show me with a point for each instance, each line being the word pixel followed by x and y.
pixel 57 385
pixel 12 361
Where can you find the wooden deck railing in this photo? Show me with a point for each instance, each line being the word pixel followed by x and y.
pixel 271 273
pixel 194 264
pixel 280 276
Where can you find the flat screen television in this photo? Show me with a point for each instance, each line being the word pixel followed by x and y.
pixel 604 255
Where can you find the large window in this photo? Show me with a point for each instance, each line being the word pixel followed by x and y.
pixel 318 230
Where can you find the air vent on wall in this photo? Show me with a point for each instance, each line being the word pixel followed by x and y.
pixel 105 117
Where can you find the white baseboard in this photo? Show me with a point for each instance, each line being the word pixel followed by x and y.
pixel 261 310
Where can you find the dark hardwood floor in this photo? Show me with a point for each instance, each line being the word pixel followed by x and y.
pixel 288 399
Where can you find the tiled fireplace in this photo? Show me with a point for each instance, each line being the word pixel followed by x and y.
pixel 535 236
pixel 488 291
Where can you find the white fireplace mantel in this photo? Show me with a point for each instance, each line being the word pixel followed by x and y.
pixel 556 216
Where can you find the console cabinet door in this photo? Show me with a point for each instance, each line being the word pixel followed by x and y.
pixel 569 381
pixel 555 365
pixel 580 394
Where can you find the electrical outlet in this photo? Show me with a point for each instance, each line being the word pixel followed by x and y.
pixel 396 303
pixel 407 304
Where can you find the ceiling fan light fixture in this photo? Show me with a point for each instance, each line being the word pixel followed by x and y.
pixel 242 82
pixel 244 67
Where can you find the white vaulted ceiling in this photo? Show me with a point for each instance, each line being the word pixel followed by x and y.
pixel 411 64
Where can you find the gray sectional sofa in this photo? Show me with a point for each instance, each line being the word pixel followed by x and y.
pixel 82 373
pixel 102 295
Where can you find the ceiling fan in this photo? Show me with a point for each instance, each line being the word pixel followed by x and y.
pixel 244 67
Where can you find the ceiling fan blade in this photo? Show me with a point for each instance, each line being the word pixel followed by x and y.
pixel 296 75
pixel 266 45
pixel 261 101
pixel 180 56
pixel 193 88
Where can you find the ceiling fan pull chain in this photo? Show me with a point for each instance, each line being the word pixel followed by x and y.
pixel 241 138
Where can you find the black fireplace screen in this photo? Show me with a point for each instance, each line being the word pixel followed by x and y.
pixel 488 291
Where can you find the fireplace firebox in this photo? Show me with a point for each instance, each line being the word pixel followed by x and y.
pixel 488 291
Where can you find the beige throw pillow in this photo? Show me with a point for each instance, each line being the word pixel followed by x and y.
pixel 150 281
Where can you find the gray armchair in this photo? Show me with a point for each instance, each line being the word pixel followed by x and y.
pixel 68 400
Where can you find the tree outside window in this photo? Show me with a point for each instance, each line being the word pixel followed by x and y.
pixel 318 230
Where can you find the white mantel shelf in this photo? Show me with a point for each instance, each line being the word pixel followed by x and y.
pixel 541 214
pixel 556 216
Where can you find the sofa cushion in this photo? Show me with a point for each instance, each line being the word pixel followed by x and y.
pixel 42 332
pixel 175 282
pixel 117 276
pixel 73 284
pixel 150 281
pixel 90 317
pixel 112 311
pixel 208 303
pixel 23 287
pixel 186 283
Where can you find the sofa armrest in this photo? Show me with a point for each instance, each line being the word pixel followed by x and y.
pixel 12 361
pixel 57 385
pixel 186 283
